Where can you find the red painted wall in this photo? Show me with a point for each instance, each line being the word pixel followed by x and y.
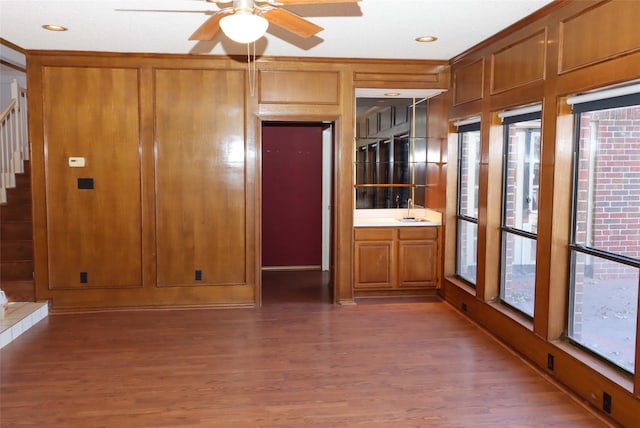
pixel 291 195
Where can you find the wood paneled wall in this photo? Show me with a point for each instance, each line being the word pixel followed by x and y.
pixel 92 230
pixel 201 190
pixel 567 48
pixel 172 144
pixel 169 220
pixel 294 87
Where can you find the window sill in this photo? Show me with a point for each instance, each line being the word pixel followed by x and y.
pixel 457 282
pixel 621 379
pixel 512 314
pixel 496 305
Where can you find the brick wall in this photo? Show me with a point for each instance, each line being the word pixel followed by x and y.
pixel 614 187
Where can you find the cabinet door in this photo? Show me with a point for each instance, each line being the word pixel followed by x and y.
pixel 417 263
pixel 374 264
pixel 374 258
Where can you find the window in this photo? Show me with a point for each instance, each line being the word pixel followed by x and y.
pixel 467 204
pixel 521 172
pixel 605 239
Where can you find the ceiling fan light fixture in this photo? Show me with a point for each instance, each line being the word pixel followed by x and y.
pixel 244 27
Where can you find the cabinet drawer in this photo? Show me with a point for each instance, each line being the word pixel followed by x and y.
pixel 418 233
pixel 373 234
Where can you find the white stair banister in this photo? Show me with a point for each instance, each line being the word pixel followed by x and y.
pixel 20 95
pixel 14 141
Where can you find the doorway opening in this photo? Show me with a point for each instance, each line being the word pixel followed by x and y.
pixel 296 211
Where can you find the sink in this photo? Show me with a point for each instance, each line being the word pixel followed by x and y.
pixel 410 219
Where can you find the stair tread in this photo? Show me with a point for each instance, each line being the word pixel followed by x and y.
pixel 19 290
pixel 19 196
pixel 16 270
pixel 19 281
pixel 16 250
pixel 15 262
pixel 8 264
pixel 16 230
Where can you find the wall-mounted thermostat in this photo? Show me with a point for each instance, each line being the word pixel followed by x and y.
pixel 76 162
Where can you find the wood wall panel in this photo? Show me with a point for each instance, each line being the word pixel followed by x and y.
pixel 201 197
pixel 296 87
pixel 599 33
pixel 520 63
pixel 468 82
pixel 93 113
pixel 401 81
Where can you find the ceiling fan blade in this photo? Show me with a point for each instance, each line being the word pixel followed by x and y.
pixel 210 28
pixel 163 11
pixel 292 22
pixel 292 2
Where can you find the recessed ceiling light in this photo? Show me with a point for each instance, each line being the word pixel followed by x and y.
pixel 392 94
pixel 426 39
pixel 53 27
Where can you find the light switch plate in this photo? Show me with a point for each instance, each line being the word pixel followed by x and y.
pixel 76 162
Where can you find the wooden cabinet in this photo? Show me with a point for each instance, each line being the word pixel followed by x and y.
pixel 417 257
pixel 392 260
pixel 375 258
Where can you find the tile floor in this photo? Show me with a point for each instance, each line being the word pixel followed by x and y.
pixel 19 318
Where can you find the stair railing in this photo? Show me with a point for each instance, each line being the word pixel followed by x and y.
pixel 14 139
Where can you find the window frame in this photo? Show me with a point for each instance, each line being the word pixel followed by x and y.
pixel 508 120
pixel 474 126
pixel 611 102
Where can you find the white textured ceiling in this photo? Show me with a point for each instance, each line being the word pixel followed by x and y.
pixel 368 29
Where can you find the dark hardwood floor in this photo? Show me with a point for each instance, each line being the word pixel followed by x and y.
pixel 299 288
pixel 296 362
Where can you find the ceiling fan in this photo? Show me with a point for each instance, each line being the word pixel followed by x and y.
pixel 245 21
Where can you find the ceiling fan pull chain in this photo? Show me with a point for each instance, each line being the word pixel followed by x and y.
pixel 251 67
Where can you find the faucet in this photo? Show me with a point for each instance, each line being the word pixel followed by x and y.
pixel 409 208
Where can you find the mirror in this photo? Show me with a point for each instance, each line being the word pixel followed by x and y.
pixel 391 143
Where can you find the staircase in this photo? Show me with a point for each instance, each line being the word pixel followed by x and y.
pixel 16 234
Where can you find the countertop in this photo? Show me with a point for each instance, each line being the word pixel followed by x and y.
pixel 396 217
